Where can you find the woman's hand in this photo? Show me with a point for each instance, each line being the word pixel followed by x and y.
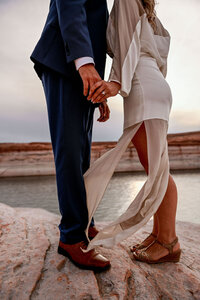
pixel 102 90
pixel 104 112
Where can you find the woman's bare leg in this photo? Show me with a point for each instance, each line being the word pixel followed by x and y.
pixel 140 143
pixel 165 217
pixel 167 221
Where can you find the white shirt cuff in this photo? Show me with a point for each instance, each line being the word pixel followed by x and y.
pixel 79 62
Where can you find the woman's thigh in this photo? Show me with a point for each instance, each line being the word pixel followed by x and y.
pixel 140 142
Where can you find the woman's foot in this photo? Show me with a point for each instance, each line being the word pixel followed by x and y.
pixel 150 238
pixel 158 252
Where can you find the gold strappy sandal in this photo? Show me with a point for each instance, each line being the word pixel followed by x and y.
pixel 140 245
pixel 171 257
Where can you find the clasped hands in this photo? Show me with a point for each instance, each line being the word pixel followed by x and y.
pixel 97 90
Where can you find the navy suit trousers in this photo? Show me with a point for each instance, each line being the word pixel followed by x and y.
pixel 70 122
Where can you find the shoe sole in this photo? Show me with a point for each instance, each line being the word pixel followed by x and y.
pixel 93 268
pixel 174 257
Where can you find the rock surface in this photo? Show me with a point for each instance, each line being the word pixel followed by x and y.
pixel 30 267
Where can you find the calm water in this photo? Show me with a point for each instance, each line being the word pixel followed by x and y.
pixel 41 192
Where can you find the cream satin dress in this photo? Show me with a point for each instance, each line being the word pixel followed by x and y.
pixel 140 64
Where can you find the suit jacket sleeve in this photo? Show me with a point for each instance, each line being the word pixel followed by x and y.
pixel 73 25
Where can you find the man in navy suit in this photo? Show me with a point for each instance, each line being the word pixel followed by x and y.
pixel 70 58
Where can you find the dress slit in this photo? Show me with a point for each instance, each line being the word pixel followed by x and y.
pixel 149 197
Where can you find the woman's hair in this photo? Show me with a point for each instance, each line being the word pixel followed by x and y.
pixel 149 7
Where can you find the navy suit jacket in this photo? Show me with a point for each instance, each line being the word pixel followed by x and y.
pixel 73 29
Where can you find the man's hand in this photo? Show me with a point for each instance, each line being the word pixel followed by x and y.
pixel 102 90
pixel 104 112
pixel 89 76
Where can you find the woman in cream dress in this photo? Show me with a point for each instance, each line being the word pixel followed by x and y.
pixel 139 46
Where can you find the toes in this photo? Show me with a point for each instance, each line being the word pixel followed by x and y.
pixel 140 255
pixel 136 247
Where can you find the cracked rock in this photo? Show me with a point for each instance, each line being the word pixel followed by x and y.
pixel 31 268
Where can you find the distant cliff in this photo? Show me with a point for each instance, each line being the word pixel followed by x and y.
pixel 21 159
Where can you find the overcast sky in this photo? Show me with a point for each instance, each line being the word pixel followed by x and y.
pixel 23 115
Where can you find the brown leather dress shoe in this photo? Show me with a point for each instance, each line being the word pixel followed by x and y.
pixel 92 232
pixel 91 260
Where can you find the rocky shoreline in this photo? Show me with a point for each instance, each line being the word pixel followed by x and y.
pixel 26 159
pixel 32 269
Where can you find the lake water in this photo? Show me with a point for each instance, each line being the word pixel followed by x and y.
pixel 40 191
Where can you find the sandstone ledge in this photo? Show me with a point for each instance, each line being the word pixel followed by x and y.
pixel 30 267
pixel 30 159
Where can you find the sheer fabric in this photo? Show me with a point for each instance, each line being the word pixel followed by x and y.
pixel 148 198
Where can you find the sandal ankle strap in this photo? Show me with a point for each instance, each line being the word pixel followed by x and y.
pixel 168 246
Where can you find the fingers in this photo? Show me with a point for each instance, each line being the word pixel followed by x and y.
pixel 101 93
pixel 109 89
pixel 98 89
pixel 104 111
pixel 107 113
pixel 94 87
pixel 98 94
pixel 101 110
pixel 89 76
pixel 101 98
